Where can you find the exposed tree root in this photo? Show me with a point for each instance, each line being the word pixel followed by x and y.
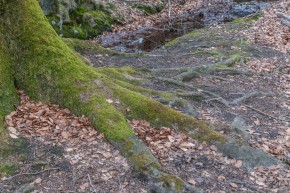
pixel 250 95
pixel 179 83
pixel 216 96
pixel 49 71
pixel 189 73
pixel 261 112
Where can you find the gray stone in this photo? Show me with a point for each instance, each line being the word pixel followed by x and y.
pixel 239 126
pixel 53 23
pixel 244 9
pixel 250 156
pixel 25 188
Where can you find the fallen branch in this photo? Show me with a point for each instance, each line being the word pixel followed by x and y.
pixel 92 184
pixel 35 173
pixel 257 110
pixel 192 94
pixel 196 72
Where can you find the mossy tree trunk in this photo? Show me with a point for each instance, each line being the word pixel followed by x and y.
pixel 34 59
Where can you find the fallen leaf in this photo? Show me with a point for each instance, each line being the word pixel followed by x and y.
pixel 65 134
pixel 221 178
pixel 84 186
pixel 12 130
pixel 13 136
pixel 110 101
pixel 233 185
pixel 238 164
pixel 191 181
pixel 257 122
pixel 213 147
pixel 107 155
pixel 38 181
pixel 69 149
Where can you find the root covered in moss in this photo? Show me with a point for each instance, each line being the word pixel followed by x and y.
pixel 41 64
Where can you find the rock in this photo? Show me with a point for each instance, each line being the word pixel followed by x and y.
pixel 251 157
pixel 244 9
pixel 25 188
pixel 58 7
pixel 53 23
pixel 239 126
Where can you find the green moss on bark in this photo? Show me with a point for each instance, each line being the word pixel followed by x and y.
pixel 48 70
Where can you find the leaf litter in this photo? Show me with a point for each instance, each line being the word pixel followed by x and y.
pixel 69 145
pixel 202 165
pixel 84 152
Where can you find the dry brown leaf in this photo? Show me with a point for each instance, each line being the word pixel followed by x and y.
pixel 238 164
pixel 107 155
pixel 233 185
pixel 84 186
pixel 191 181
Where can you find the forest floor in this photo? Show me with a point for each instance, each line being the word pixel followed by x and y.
pixel 236 76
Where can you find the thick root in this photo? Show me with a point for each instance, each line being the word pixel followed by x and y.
pixel 48 70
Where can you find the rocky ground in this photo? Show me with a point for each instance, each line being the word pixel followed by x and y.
pixel 234 75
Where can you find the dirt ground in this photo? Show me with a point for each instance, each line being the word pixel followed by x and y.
pixel 246 98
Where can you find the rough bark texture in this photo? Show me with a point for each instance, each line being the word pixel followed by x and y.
pixel 35 59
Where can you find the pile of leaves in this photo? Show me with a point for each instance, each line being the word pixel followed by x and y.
pixel 162 140
pixel 56 125
pixel 73 156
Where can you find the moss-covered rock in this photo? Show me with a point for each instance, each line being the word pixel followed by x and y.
pixel 79 19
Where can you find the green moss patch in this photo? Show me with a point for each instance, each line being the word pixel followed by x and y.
pixel 7 169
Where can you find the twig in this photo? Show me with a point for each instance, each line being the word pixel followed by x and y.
pixel 120 185
pixel 257 110
pixel 169 12
pixel 92 184
pixel 35 173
